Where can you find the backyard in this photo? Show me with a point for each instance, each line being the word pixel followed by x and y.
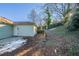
pixel 48 30
pixel 58 42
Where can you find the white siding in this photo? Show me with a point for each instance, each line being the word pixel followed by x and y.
pixel 24 30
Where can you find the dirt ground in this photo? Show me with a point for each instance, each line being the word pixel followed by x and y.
pixel 39 46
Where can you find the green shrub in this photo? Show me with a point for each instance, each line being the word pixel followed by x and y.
pixel 39 30
pixel 73 23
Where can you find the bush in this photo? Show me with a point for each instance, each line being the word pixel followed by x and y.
pixel 73 23
pixel 39 30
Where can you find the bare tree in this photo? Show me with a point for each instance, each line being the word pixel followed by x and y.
pixel 60 9
pixel 33 16
pixel 48 17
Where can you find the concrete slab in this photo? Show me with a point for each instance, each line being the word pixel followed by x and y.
pixel 10 44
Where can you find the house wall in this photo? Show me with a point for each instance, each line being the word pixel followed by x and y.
pixel 6 31
pixel 24 30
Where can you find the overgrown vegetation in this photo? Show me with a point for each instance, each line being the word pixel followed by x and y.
pixel 68 27
pixel 40 30
pixel 73 23
pixel 71 40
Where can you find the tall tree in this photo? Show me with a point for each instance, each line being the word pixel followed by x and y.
pixel 33 16
pixel 61 9
pixel 48 19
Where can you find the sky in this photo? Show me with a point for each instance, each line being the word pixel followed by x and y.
pixel 18 11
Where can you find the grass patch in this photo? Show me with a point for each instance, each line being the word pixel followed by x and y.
pixel 61 31
pixel 71 39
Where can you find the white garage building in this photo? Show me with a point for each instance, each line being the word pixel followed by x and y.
pixel 24 29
